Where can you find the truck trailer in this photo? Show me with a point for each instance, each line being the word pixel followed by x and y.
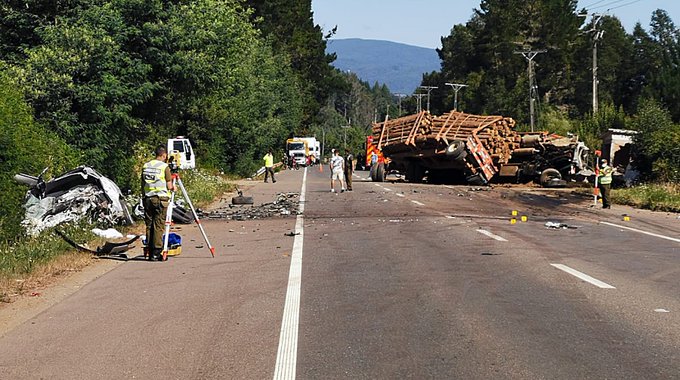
pixel 475 149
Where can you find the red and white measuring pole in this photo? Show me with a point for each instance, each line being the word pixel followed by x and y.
pixel 596 189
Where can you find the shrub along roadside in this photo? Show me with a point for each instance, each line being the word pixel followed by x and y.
pixel 30 262
pixel 656 197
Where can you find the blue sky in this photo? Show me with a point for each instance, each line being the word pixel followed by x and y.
pixel 423 22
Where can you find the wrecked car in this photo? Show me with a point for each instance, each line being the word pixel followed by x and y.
pixel 73 196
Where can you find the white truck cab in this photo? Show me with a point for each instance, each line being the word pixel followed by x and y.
pixel 182 145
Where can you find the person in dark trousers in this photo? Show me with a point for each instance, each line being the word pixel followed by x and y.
pixel 156 187
pixel 349 168
pixel 269 166
pixel 606 173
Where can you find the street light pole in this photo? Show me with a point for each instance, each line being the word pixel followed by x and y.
pixel 456 87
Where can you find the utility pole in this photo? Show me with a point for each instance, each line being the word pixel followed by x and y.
pixel 420 101
pixel 399 96
pixel 429 89
pixel 456 87
pixel 344 128
pixel 597 35
pixel 529 55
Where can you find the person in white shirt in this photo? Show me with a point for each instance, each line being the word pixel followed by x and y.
pixel 337 166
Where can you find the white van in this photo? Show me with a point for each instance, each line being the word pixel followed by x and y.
pixel 182 145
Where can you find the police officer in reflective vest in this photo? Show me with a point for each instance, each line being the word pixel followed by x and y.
pixel 156 187
pixel 606 184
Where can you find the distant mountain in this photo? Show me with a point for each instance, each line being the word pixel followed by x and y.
pixel 400 66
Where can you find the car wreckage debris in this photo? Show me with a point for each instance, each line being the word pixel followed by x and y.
pixel 286 204
pixel 82 193
pixel 110 249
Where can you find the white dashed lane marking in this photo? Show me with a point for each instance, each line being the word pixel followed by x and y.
pixel 399 195
pixel 418 203
pixel 491 235
pixel 641 231
pixel 583 276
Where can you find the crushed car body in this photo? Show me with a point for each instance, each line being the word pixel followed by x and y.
pixel 71 197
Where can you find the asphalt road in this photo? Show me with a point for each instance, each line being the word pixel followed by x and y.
pixel 389 281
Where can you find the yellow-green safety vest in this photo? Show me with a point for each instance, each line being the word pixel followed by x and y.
pixel 268 160
pixel 153 175
pixel 606 175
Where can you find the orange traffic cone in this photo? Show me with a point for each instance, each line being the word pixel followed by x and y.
pixel 320 168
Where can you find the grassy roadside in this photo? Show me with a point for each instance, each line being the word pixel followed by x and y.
pixel 656 197
pixel 33 262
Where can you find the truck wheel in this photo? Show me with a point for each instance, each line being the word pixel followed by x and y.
pixel 374 167
pixel 455 149
pixel 549 175
pixel 380 172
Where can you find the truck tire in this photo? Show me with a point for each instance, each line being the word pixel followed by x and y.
pixel 180 215
pixel 380 172
pixel 549 175
pixel 374 167
pixel 455 149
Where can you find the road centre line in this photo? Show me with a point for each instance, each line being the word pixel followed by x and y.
pixel 418 203
pixel 642 232
pixel 491 235
pixel 286 356
pixel 583 276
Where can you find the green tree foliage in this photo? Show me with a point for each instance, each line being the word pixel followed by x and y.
pixel 290 27
pixel 482 54
pixel 657 145
pixel 122 73
pixel 24 147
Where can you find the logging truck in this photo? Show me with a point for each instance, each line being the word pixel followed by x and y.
pixel 463 148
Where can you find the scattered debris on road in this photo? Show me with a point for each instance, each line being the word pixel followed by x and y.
pixel 558 226
pixel 108 250
pixel 285 205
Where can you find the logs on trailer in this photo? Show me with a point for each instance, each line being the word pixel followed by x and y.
pixel 495 133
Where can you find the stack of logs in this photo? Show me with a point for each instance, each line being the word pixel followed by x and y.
pixel 403 130
pixel 496 133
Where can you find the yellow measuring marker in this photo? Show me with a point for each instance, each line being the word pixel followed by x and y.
pixel 524 218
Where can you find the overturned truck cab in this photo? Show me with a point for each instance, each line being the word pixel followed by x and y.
pixel 464 148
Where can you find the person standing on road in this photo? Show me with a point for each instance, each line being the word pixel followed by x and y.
pixel 349 168
pixel 337 166
pixel 606 172
pixel 156 187
pixel 269 166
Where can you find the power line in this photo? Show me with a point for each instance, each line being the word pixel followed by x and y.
pixel 607 4
pixel 623 5
pixel 595 3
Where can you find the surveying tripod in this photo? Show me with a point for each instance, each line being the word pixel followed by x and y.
pixel 176 180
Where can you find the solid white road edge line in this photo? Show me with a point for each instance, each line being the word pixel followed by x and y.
pixel 418 203
pixel 583 276
pixel 286 356
pixel 642 232
pixel 491 235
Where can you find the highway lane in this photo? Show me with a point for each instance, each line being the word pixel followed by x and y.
pixel 416 292
pixel 398 281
